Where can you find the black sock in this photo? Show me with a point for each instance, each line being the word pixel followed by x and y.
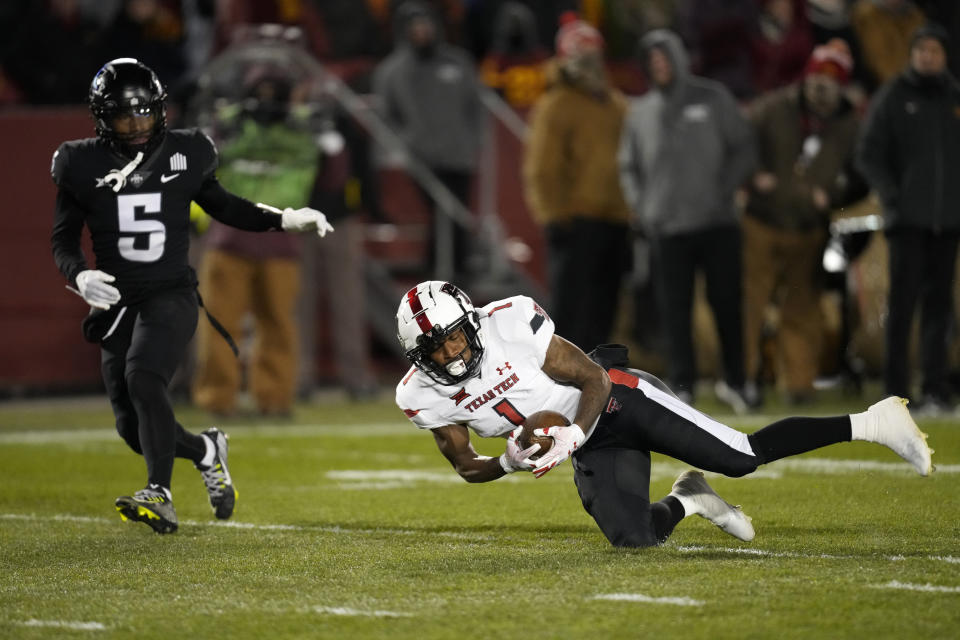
pixel 666 514
pixel 791 436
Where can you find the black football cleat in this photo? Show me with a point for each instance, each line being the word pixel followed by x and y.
pixel 216 477
pixel 150 506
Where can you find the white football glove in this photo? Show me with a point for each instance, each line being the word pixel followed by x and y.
pixel 515 458
pixel 93 288
pixel 305 219
pixel 566 440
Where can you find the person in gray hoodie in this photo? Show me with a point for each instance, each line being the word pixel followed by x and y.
pixel 429 95
pixel 684 150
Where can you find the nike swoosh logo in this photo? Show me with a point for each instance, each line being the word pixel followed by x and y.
pixel 165 178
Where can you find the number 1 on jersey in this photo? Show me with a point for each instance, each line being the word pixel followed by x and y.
pixel 506 409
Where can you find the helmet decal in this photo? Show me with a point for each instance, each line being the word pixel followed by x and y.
pixel 418 313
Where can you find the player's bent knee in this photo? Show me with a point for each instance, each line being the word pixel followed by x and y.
pixel 736 466
pixel 140 380
pixel 631 539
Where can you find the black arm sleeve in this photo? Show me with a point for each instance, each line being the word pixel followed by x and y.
pixel 68 218
pixel 233 210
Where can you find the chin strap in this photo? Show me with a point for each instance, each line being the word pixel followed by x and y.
pixel 118 177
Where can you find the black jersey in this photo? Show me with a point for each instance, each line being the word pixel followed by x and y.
pixel 141 233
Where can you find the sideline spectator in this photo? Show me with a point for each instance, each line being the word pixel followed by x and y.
pixel 947 14
pixel 910 154
pixel 153 33
pixel 429 94
pixel 515 65
pixel 270 159
pixel 341 191
pixel 717 35
pixel 52 52
pixel 806 135
pixel 685 150
pixel 572 187
pixel 781 45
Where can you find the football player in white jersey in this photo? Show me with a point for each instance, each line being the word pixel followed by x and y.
pixel 486 369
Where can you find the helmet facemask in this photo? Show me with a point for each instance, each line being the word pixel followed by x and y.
pixel 458 369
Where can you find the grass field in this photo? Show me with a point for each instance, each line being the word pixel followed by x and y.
pixel 351 524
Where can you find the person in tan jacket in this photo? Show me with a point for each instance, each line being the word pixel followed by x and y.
pixel 571 185
pixel 806 134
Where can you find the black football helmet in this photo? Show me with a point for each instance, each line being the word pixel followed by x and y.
pixel 122 88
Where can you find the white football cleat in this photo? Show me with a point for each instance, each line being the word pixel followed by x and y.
pixel 693 488
pixel 889 423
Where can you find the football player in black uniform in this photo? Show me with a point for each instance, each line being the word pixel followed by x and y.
pixel 132 186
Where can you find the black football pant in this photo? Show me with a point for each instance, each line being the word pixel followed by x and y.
pixel 715 252
pixel 586 260
pixel 138 357
pixel 922 267
pixel 612 470
pixel 459 184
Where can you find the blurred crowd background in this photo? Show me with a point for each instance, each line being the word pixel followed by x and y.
pixel 436 137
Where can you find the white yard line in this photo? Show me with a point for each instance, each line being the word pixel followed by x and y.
pixel 948 559
pixel 639 597
pixel 272 432
pixel 64 624
pixel 749 551
pixel 348 611
pixel 907 586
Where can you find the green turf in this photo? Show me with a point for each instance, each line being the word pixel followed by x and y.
pixel 351 524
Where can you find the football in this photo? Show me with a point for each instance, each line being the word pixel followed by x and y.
pixel 540 420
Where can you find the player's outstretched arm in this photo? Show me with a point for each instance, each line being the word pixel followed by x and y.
pixel 453 441
pixel 238 212
pixel 300 220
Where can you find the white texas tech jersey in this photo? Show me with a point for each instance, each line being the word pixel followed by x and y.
pixel 509 385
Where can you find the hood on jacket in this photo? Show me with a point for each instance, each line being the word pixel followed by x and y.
pixel 515 30
pixel 670 44
pixel 407 13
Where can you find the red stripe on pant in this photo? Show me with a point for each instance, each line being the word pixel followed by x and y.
pixel 623 378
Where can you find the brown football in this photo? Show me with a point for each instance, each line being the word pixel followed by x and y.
pixel 540 420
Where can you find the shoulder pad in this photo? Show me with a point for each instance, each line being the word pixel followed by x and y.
pixel 60 164
pixel 200 147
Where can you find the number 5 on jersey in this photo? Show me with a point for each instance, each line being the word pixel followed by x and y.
pixel 128 223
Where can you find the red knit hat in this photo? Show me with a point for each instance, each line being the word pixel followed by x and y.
pixel 832 59
pixel 576 36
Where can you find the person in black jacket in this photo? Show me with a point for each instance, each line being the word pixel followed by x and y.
pixel 909 152
pixel 131 186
